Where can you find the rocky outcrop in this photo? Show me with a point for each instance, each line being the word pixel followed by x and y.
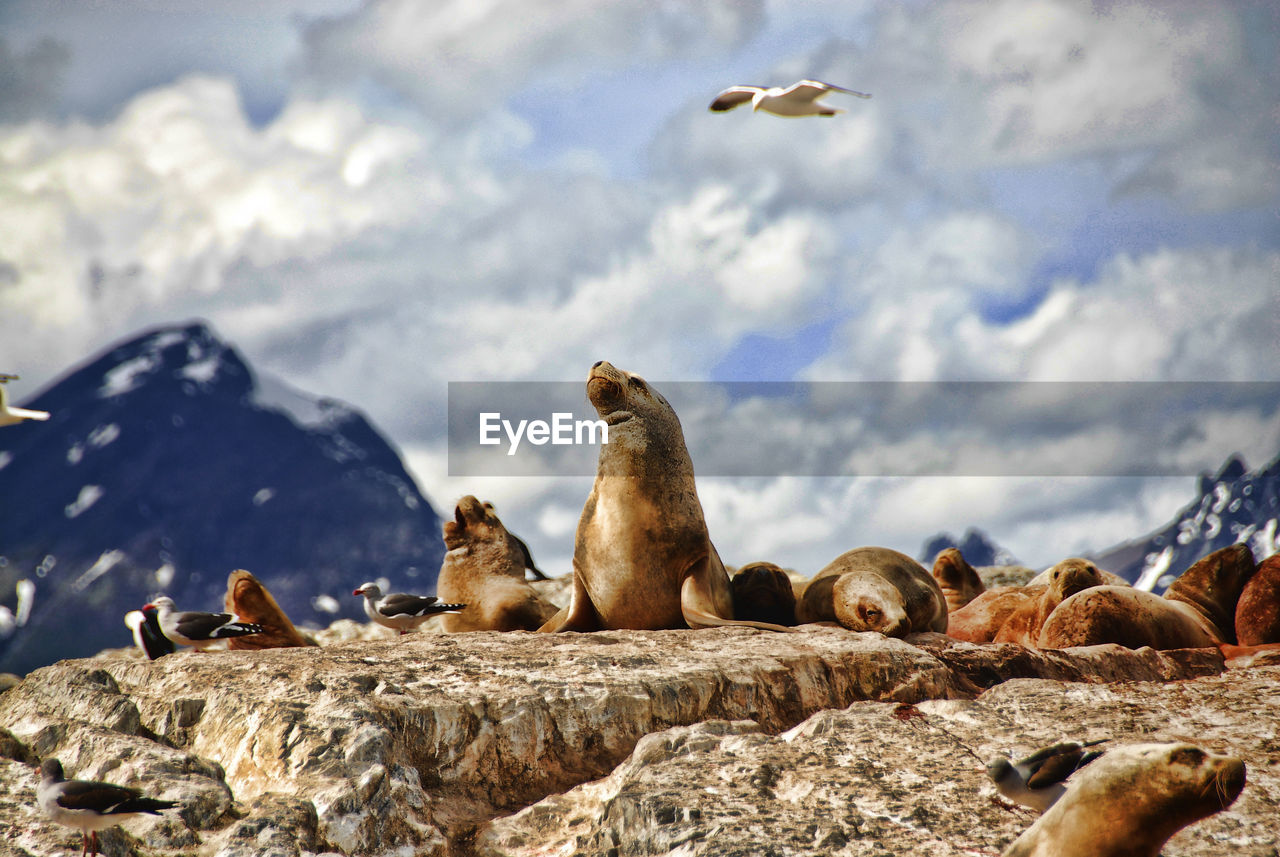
pixel 495 743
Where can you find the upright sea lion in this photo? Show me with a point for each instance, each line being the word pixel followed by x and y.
pixel 982 618
pixel 1258 610
pixel 1108 578
pixel 1063 580
pixel 642 557
pixel 249 599
pixel 875 589
pixel 763 592
pixel 959 581
pixel 484 569
pixel 1131 800
pixel 1197 611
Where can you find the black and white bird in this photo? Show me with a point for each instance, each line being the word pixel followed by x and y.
pixel 798 99
pixel 90 806
pixel 147 635
pixel 199 630
pixel 400 610
pixel 12 416
pixel 1039 780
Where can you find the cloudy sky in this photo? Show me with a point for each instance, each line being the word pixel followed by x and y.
pixel 372 200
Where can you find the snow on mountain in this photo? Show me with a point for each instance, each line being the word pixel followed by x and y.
pixel 1233 505
pixel 167 464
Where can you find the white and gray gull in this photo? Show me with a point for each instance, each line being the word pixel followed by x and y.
pixel 1039 780
pixel 798 99
pixel 400 610
pixel 196 629
pixel 90 806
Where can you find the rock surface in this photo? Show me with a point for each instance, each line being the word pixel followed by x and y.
pixel 521 743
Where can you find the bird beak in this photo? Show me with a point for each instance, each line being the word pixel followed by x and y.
pixel 358 592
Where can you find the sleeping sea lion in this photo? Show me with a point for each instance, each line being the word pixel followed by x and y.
pixel 875 589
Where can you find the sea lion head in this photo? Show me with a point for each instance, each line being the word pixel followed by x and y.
pixel 643 425
pixel 1176 784
pixel 1071 576
pixel 959 581
pixel 476 529
pixel 867 602
pixel 762 592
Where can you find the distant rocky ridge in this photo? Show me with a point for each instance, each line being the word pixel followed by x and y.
pixel 726 741
pixel 1233 505
pixel 168 463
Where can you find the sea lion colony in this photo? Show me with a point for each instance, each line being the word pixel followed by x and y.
pixel 643 559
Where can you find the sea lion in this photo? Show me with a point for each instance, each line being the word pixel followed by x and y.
pixel 484 569
pixel 526 554
pixel 1108 578
pixel 1197 611
pixel 249 599
pixel 1062 581
pixel 982 618
pixel 1258 610
pixel 875 589
pixel 1129 802
pixel 763 592
pixel 959 581
pixel 642 557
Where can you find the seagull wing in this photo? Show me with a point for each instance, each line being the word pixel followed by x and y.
pixel 811 90
pixel 212 626
pixel 403 604
pixel 104 798
pixel 1052 764
pixel 734 96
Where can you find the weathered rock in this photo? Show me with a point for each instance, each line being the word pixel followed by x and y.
pixel 878 779
pixel 409 745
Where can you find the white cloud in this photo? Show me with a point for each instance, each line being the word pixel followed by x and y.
pixel 460 57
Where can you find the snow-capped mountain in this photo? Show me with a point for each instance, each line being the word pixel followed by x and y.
pixel 166 465
pixel 976 546
pixel 1232 506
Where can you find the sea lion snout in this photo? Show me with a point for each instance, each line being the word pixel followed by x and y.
pixel 467 513
pixel 606 388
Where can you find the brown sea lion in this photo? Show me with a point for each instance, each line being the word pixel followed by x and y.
pixel 249 599
pixel 484 568
pixel 1197 611
pixel 1213 584
pixel 1258 610
pixel 959 581
pixel 1131 800
pixel 982 618
pixel 642 557
pixel 526 554
pixel 1062 581
pixel 1108 578
pixel 763 592
pixel 875 589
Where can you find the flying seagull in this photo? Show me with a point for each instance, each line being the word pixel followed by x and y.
pixel 1038 780
pixel 90 806
pixel 147 636
pixel 12 416
pixel 400 610
pixel 798 99
pixel 200 630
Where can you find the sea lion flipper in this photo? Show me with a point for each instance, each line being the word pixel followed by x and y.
pixel 580 615
pixel 691 600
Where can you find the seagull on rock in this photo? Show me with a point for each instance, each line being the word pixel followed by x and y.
pixel 199 630
pixel 90 806
pixel 147 635
pixel 10 416
pixel 1038 780
pixel 400 610
pixel 798 99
